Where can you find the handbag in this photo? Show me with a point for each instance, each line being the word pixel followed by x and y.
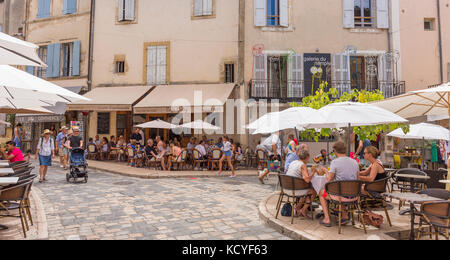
pixel 273 166
pixel 286 211
pixel 372 219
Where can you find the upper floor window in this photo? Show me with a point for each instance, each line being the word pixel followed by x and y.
pixel 157 65
pixel 271 13
pixel 70 6
pixel 363 13
pixel 126 10
pixel 428 24
pixel 203 7
pixel 366 14
pixel 42 52
pixel 43 9
pixel 63 60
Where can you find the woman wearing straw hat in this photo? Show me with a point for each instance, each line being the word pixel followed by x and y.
pixel 46 151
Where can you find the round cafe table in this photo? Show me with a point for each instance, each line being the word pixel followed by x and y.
pixel 411 178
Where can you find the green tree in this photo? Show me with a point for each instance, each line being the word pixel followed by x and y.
pixel 324 97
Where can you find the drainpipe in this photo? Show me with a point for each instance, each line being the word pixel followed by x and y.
pixel 390 27
pixel 440 41
pixel 91 44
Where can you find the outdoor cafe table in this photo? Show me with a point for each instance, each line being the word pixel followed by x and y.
pixel 6 171
pixel 4 182
pixel 413 199
pixel 411 178
pixel 445 181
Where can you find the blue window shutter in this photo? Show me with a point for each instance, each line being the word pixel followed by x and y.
pixel 43 9
pixel 30 69
pixel 271 11
pixel 76 58
pixel 70 6
pixel 56 59
pixel 50 50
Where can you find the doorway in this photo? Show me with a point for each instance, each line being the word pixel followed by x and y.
pixel 277 76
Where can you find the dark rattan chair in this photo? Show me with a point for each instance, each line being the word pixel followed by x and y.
pixel 403 183
pixel 437 215
pixel 293 189
pixel 435 193
pixel 375 196
pixel 215 157
pixel 345 195
pixel 14 198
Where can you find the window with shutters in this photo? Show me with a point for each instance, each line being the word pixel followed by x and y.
pixel 271 13
pixel 157 63
pixel 120 67
pixel 42 52
pixel 66 59
pixel 203 8
pixel 364 13
pixel 126 10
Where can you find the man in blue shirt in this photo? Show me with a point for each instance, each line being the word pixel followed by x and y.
pixel 59 145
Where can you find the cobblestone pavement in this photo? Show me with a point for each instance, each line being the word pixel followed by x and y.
pixel 118 207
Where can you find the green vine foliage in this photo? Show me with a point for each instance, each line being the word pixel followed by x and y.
pixel 325 96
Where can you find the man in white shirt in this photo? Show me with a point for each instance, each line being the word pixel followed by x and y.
pixel 201 149
pixel 273 146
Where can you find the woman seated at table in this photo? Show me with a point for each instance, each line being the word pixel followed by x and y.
pixel 299 169
pixel 104 149
pixel 376 170
pixel 175 152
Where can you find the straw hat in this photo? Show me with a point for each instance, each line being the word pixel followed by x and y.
pixel 64 128
pixel 46 131
pixel 76 129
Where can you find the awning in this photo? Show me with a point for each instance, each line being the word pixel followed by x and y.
pixel 109 99
pixel 59 109
pixel 172 98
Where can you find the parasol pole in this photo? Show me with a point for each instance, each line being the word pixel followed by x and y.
pixel 448 161
pixel 349 145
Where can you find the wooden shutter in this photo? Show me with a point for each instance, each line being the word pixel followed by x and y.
pixel 260 18
pixel 198 7
pixel 295 80
pixel 284 13
pixel 76 58
pixel 121 10
pixel 161 64
pixel 383 14
pixel 56 60
pixel 50 54
pixel 207 7
pixel 385 75
pixel 341 73
pixel 70 6
pixel 260 76
pixel 43 9
pixel 129 10
pixel 349 13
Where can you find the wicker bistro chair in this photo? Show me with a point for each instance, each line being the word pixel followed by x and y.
pixel 262 158
pixel 215 157
pixel 293 189
pixel 8 202
pixel 435 193
pixel 197 159
pixel 375 196
pixel 181 160
pixel 130 154
pixel 437 215
pixel 92 152
pixel 345 195
pixel 112 155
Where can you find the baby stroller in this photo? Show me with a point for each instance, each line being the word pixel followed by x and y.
pixel 78 166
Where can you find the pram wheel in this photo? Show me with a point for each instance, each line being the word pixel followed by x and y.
pixel 68 177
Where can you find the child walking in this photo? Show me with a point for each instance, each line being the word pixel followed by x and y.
pixel 227 153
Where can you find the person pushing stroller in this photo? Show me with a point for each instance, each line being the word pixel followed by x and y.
pixel 78 165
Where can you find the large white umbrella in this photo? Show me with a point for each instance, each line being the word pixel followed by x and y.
pixel 350 114
pixel 278 121
pixel 17 85
pixel 423 131
pixel 157 124
pixel 200 125
pixel 14 51
pixel 431 101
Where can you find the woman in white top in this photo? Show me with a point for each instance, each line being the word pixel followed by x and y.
pixel 299 169
pixel 227 154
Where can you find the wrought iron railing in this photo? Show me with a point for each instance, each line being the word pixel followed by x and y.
pixel 296 90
